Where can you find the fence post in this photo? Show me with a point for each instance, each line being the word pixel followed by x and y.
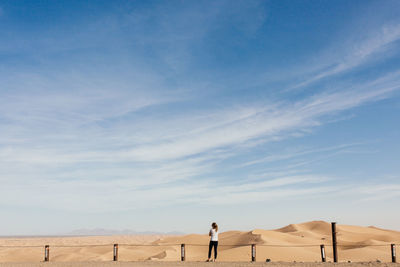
pixel 46 253
pixel 323 257
pixel 393 249
pixel 253 252
pixel 115 250
pixel 183 254
pixel 334 243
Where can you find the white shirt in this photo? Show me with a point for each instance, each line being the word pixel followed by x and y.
pixel 214 235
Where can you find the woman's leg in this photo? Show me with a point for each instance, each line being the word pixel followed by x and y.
pixel 215 249
pixel 209 249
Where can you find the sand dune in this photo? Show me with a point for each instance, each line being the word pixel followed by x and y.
pixel 295 242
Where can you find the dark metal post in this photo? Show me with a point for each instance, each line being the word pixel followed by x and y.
pixel 323 256
pixel 393 249
pixel 183 254
pixel 334 243
pixel 115 250
pixel 253 252
pixel 46 253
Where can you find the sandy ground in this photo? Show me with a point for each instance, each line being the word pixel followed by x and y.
pixel 295 242
pixel 195 264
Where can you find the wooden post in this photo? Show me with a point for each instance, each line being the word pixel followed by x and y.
pixel 115 250
pixel 323 256
pixel 253 252
pixel 393 249
pixel 334 242
pixel 183 254
pixel 46 253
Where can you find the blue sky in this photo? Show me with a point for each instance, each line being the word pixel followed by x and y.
pixel 168 115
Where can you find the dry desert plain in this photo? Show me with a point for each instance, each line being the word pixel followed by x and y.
pixel 295 242
pixel 197 264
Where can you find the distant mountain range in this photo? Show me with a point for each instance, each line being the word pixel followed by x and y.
pixel 102 231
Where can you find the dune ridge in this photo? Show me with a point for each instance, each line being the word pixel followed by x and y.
pixel 294 242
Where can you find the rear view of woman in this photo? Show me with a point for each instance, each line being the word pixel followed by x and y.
pixel 213 241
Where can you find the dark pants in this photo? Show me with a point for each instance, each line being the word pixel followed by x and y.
pixel 215 245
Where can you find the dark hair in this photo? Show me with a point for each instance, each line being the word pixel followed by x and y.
pixel 214 225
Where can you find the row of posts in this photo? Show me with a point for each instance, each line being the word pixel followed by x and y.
pixel 253 253
pixel 253 250
pixel 323 254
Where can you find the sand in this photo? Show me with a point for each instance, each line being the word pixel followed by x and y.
pixel 195 264
pixel 296 242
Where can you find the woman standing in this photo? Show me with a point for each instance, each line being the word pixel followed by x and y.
pixel 213 241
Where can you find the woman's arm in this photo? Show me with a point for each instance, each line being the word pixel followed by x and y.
pixel 209 233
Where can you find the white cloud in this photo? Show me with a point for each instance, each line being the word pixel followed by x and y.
pixel 165 138
pixel 177 148
pixel 264 122
pixel 382 191
pixel 297 153
pixel 363 51
pixel 83 195
pixel 76 141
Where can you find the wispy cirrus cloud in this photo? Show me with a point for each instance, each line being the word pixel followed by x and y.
pixel 370 48
pixel 377 191
pixel 199 193
pixel 194 134
pixel 141 121
pixel 188 152
pixel 299 153
pixel 264 122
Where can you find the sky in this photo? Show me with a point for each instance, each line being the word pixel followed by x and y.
pixel 169 115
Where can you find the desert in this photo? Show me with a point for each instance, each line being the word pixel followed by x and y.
pixel 293 243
